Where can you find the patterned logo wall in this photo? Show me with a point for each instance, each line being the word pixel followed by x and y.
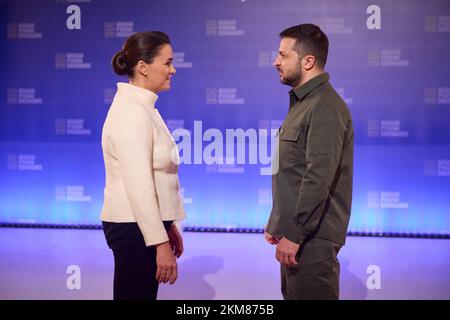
pixel 388 60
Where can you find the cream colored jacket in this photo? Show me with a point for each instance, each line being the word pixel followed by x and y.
pixel 141 163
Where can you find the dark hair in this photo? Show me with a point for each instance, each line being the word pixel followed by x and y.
pixel 310 40
pixel 139 46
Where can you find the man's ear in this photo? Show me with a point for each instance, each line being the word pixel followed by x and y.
pixel 309 61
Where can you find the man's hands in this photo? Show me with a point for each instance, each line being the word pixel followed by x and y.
pixel 271 239
pixel 286 251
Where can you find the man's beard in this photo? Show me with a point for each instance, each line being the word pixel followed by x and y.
pixel 294 78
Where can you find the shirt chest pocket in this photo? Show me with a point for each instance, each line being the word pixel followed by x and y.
pixel 292 144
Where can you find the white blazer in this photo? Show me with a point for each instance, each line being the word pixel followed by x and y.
pixel 141 164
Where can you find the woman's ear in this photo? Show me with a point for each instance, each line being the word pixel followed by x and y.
pixel 142 68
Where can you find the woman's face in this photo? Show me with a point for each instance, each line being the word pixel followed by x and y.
pixel 161 70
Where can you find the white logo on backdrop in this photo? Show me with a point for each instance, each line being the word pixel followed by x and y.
pixel 374 280
pixel 73 281
pixel 73 21
pixel 223 96
pixel 374 20
pixel 71 60
pixel 385 200
pixel 71 127
pixel 437 168
pixel 22 30
pixel 23 162
pixel 22 96
pixel 386 129
pixel 71 193
pixel 437 24
pixel 437 95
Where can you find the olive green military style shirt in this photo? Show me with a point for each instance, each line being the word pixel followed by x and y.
pixel 312 189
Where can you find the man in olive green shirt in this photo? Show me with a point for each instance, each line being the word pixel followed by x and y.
pixel 312 189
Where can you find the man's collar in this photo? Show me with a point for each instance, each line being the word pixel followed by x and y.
pixel 310 85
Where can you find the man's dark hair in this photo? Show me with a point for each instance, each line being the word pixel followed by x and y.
pixel 310 39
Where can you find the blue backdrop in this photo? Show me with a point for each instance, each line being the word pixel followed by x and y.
pixel 388 59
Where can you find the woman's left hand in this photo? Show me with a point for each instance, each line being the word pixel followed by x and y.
pixel 176 242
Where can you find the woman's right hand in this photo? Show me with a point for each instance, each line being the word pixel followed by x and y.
pixel 166 264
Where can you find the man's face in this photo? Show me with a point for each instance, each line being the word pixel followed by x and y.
pixel 288 63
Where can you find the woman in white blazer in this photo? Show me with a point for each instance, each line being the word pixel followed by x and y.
pixel 141 197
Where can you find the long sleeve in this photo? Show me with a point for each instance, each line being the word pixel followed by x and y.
pixel 132 141
pixel 325 141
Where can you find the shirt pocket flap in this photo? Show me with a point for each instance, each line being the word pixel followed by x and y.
pixel 290 134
